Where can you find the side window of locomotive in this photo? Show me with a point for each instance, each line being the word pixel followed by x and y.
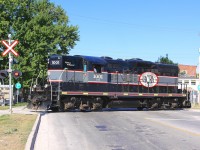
pixel 97 68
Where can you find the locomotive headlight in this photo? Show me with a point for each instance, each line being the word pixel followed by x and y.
pixel 46 86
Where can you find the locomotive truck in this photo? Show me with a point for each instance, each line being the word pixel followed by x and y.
pixel 93 83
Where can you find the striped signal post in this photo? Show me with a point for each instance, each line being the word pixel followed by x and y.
pixel 10 45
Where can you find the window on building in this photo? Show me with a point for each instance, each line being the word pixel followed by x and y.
pixel 193 82
pixel 179 82
pixel 186 81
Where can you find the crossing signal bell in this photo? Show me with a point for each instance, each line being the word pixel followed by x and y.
pixel 16 74
pixel 3 74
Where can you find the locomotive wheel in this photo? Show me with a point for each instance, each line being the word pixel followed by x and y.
pixel 69 106
pixel 97 107
pixel 154 106
pixel 164 107
pixel 174 106
pixel 84 107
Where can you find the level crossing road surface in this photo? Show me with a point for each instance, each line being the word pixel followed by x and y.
pixel 120 130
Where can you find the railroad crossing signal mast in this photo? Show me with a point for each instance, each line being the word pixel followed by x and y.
pixel 9 45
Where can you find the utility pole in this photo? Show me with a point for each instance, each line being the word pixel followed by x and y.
pixel 199 80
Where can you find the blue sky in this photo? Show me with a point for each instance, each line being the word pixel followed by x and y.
pixel 145 29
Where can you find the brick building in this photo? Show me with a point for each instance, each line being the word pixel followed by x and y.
pixel 187 70
pixel 188 75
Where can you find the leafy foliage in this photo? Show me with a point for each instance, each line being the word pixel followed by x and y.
pixel 165 60
pixel 42 28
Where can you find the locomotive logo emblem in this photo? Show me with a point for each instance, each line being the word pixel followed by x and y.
pixel 148 79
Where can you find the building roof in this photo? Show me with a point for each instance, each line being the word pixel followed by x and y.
pixel 187 70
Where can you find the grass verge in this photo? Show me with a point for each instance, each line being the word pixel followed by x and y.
pixel 14 130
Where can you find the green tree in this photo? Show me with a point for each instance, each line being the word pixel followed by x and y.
pixel 42 28
pixel 165 60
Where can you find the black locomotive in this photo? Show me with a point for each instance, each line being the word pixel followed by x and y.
pixel 93 83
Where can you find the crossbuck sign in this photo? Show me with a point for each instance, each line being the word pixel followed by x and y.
pixel 10 47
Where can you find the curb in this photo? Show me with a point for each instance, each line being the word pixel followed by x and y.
pixel 32 136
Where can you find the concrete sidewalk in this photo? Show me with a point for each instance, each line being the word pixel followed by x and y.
pixel 19 110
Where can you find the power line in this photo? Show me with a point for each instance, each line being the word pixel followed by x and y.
pixel 100 20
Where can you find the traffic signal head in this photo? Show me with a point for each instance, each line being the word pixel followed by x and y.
pixel 16 74
pixel 3 74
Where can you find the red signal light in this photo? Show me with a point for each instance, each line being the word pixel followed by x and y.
pixel 16 74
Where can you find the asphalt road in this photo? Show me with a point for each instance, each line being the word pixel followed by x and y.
pixel 120 130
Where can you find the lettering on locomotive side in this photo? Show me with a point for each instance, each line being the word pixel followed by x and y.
pixel 148 79
pixel 69 64
pixel 98 76
pixel 55 62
